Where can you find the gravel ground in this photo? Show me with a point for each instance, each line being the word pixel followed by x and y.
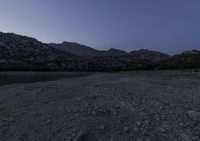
pixel 136 106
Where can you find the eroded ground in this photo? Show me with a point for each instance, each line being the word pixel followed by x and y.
pixel 138 106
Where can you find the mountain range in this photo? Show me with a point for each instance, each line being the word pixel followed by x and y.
pixel 22 53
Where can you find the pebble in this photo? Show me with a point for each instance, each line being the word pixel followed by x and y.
pixel 162 130
pixel 138 123
pixel 143 101
pixel 106 89
pixel 126 129
pixel 134 104
pixel 102 127
pixel 79 99
pixel 94 113
pixel 48 122
pixel 135 129
pixel 122 103
pixel 194 115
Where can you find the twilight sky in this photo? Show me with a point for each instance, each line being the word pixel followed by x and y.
pixel 170 26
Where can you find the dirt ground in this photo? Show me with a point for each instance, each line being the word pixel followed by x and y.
pixel 133 106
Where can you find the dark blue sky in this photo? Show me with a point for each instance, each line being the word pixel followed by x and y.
pixel 165 25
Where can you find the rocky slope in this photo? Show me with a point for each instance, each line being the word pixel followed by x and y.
pixel 186 60
pixel 85 51
pixel 25 53
pixel 136 60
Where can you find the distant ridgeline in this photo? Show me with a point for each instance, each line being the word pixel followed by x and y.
pixel 21 53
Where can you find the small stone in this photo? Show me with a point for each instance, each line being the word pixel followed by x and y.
pixel 194 115
pixel 138 123
pixel 143 101
pixel 181 124
pixel 102 127
pixel 76 110
pixel 135 129
pixel 125 129
pixel 162 130
pixel 93 113
pixel 84 118
pixel 79 98
pixel 173 105
pixel 155 98
pixel 82 110
pixel 115 112
pixel 142 114
pixel 47 122
pixel 106 89
pixel 134 104
pixel 122 103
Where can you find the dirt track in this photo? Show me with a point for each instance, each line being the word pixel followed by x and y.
pixel 138 106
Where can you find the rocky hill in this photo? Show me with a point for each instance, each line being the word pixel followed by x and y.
pixel 186 60
pixel 86 51
pixel 24 53
pixel 135 60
